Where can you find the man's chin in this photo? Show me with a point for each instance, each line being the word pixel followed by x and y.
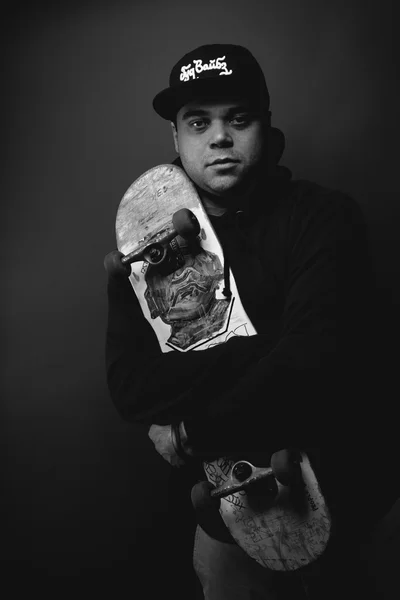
pixel 223 186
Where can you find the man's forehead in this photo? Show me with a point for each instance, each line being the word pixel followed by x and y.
pixel 214 106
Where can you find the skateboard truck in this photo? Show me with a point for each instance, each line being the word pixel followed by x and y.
pixel 184 223
pixel 243 475
pixel 285 468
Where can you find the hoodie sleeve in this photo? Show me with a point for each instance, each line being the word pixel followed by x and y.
pixel 148 386
pixel 307 387
pixel 296 382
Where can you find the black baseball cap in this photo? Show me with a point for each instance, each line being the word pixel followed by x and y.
pixel 214 70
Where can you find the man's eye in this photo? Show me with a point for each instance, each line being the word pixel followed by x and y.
pixel 240 120
pixel 198 123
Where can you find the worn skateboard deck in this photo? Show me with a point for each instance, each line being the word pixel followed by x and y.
pixel 283 531
pixel 188 310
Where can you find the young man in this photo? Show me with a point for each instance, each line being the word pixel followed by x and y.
pixel 300 260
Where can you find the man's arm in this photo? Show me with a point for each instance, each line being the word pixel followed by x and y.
pixel 148 386
pixel 309 386
pixel 216 391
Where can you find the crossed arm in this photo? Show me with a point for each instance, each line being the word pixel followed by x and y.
pixel 243 389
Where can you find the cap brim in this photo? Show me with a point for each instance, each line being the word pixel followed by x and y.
pixel 168 102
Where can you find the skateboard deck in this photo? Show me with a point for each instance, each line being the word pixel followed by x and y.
pixel 183 300
pixel 186 308
pixel 283 527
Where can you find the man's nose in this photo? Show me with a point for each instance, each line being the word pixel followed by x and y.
pixel 220 136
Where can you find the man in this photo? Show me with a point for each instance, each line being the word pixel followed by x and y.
pixel 300 259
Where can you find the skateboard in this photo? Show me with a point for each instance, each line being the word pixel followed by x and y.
pixel 276 513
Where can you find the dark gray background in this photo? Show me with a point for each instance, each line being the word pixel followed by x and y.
pixel 84 492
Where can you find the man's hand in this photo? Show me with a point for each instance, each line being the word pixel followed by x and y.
pixel 161 437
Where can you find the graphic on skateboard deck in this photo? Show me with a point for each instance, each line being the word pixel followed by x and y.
pixel 178 276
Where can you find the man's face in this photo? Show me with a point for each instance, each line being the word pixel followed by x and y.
pixel 220 143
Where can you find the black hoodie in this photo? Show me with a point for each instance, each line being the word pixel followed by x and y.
pixel 314 376
pixel 300 259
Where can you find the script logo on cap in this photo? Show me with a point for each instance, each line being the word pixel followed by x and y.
pixel 188 72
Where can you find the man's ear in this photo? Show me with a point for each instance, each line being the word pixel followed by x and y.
pixel 175 136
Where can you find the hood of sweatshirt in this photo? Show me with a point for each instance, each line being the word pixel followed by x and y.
pixel 273 181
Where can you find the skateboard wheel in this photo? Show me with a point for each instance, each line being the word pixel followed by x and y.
pixel 185 223
pixel 114 266
pixel 201 496
pixel 285 465
pixel 207 512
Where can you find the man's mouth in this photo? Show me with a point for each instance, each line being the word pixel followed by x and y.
pixel 223 161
